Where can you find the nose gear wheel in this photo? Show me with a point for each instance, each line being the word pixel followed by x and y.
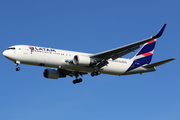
pixel 17 64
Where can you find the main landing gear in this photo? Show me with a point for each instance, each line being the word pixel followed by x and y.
pixel 77 80
pixel 17 64
pixel 95 73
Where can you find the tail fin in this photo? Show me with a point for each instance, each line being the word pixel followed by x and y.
pixel 144 55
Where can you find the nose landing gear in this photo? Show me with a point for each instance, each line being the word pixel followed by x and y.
pixel 16 63
pixel 18 69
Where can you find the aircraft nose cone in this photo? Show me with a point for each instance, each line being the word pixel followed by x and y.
pixel 5 53
pixel 8 54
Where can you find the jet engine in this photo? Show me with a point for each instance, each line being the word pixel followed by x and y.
pixel 53 74
pixel 82 60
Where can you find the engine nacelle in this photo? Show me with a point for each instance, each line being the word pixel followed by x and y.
pixel 53 74
pixel 81 60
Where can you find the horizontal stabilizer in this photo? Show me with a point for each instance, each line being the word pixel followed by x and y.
pixel 158 63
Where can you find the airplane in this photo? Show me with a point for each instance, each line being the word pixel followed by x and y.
pixel 65 63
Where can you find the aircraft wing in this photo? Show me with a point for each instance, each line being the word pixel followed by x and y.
pixel 120 51
pixel 71 73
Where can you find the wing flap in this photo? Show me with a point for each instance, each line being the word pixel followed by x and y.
pixel 120 54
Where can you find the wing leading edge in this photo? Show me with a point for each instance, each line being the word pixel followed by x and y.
pixel 121 51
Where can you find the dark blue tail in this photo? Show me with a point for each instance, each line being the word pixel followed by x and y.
pixel 144 55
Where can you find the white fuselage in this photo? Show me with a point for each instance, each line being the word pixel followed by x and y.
pixel 70 63
pixel 57 58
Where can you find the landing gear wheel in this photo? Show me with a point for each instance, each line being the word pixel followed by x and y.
pixel 80 80
pixel 77 81
pixel 16 63
pixel 92 74
pixel 74 82
pixel 18 69
pixel 95 74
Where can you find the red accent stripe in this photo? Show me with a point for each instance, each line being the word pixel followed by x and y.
pixel 151 41
pixel 147 54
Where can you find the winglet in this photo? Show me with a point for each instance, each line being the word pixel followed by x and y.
pixel 160 32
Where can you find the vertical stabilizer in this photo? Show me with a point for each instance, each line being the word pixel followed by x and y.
pixel 144 55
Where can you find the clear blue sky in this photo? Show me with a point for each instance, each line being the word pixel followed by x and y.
pixel 89 26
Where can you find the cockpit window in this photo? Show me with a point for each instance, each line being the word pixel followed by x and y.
pixel 11 48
